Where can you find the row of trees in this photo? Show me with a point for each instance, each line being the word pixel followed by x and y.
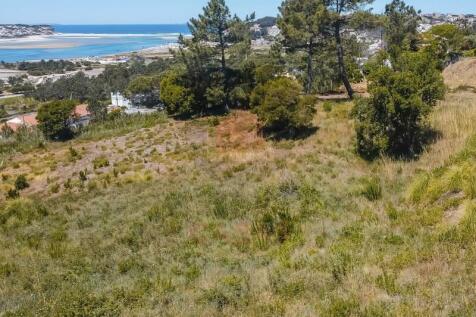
pixel 216 69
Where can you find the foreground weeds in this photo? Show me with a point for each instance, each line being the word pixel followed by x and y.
pixel 290 228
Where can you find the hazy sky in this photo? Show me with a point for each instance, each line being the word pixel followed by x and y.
pixel 164 11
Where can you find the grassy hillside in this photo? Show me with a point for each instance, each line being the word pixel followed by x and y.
pixel 461 75
pixel 205 218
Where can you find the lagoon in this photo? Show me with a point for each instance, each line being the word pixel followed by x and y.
pixel 80 41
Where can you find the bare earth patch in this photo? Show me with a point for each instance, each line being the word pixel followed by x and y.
pixel 239 132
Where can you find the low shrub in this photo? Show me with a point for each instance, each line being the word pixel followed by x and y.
pixel 282 108
pixel 21 183
pixel 327 106
pixel 100 162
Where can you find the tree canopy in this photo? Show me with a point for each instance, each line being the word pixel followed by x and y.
pixel 54 119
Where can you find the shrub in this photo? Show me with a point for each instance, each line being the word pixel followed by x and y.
pixel 213 121
pixel 274 223
pixel 21 183
pixel 327 106
pixel 83 176
pixel 177 99
pixel 282 108
pixel 12 193
pixel 100 162
pixel 393 120
pixel 73 154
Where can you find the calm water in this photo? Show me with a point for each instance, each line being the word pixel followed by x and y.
pixel 73 41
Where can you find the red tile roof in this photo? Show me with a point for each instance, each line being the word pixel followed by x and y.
pixel 81 111
pixel 27 120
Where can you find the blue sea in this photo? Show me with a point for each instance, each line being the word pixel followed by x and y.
pixel 75 41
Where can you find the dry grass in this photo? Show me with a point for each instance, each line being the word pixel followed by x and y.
pixel 239 131
pixel 454 120
pixel 461 74
pixel 236 226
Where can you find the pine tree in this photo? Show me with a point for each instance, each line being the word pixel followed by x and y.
pixel 340 9
pixel 401 22
pixel 304 26
pixel 215 25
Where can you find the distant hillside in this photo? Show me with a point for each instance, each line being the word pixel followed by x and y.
pixel 267 22
pixel 23 30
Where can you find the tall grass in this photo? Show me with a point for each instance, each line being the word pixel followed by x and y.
pixel 122 125
pixel 24 140
pixel 305 229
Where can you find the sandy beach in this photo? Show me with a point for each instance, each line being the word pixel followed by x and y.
pixel 36 42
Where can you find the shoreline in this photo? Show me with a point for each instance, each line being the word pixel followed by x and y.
pixel 59 41
pixel 49 42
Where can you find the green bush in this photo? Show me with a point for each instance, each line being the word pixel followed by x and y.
pixel 177 99
pixel 393 120
pixel 73 154
pixel 327 106
pixel 282 108
pixel 100 162
pixel 21 183
pixel 12 193
pixel 54 119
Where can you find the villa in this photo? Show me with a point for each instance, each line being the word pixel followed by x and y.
pixel 80 117
pixel 26 120
pixel 119 102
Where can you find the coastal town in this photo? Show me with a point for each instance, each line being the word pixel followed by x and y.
pixel 12 31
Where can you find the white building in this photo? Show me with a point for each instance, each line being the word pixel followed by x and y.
pixel 119 101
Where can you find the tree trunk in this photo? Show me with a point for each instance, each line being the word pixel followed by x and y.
pixel 223 70
pixel 340 58
pixel 310 74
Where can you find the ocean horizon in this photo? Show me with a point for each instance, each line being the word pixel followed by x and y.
pixel 82 41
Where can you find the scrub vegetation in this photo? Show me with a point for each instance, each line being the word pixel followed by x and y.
pixel 249 193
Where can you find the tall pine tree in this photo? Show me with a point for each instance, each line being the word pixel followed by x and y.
pixel 216 25
pixel 304 26
pixel 401 23
pixel 340 11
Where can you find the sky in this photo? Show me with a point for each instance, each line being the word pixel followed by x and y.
pixel 165 11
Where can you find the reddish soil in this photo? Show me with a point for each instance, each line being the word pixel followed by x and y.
pixel 239 131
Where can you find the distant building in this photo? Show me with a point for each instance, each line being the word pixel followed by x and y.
pixel 80 117
pixel 27 120
pixel 119 102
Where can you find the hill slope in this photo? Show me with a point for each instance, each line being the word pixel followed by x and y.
pixel 193 219
pixel 461 74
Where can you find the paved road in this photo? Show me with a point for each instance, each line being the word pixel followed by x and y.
pixel 11 96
